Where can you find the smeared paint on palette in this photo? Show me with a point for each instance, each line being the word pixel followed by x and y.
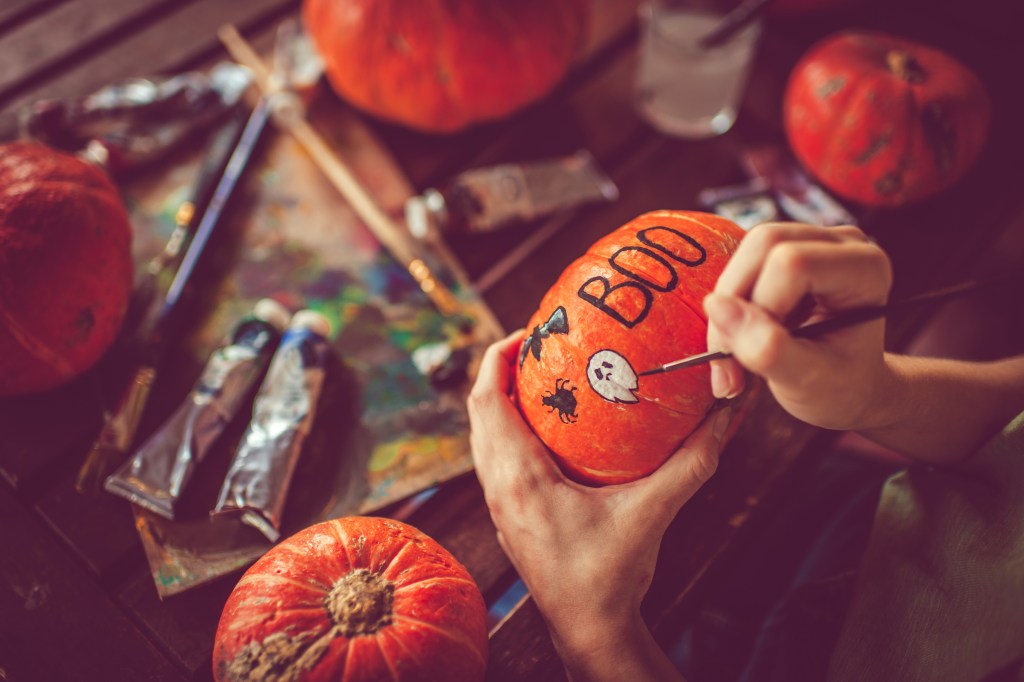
pixel 294 238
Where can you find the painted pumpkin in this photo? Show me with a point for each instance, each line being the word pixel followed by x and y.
pixel 633 302
pixel 442 66
pixel 882 120
pixel 355 599
pixel 65 266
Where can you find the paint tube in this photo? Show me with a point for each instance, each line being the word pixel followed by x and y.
pixel 256 485
pixel 487 199
pixel 747 205
pixel 156 476
pixel 795 192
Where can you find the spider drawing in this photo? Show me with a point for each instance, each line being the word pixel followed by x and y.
pixel 562 400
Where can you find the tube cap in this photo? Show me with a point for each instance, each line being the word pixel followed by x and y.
pixel 272 312
pixel 311 320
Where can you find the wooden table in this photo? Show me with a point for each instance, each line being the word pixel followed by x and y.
pixel 76 598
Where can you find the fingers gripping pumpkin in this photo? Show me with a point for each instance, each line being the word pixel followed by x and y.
pixel 631 303
pixel 357 599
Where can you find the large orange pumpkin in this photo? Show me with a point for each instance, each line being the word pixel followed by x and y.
pixel 633 302
pixel 65 266
pixel 443 65
pixel 355 599
pixel 882 120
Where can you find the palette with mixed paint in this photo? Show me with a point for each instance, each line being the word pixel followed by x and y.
pixel 392 419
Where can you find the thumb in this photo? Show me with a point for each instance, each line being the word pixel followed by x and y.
pixel 687 469
pixel 756 340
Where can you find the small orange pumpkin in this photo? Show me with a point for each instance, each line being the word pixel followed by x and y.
pixel 65 266
pixel 882 120
pixel 442 66
pixel 357 599
pixel 633 302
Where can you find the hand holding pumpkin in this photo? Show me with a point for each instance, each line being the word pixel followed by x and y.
pixel 586 554
pixel 830 382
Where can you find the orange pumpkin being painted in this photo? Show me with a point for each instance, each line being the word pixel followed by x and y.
pixel 882 120
pixel 358 599
pixel 631 303
pixel 444 65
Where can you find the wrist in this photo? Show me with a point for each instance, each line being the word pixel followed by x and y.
pixel 597 651
pixel 887 399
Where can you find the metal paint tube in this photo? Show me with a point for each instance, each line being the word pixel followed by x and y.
pixel 156 476
pixel 487 199
pixel 256 485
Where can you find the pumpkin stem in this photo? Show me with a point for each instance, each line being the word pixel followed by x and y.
pixel 903 64
pixel 360 603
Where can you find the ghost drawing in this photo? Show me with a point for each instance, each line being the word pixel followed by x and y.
pixel 612 377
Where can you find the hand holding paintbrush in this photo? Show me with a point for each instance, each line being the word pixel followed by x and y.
pixel 841 320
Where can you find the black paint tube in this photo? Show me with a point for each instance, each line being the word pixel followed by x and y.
pixel 156 476
pixel 256 485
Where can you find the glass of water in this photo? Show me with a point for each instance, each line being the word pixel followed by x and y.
pixel 682 88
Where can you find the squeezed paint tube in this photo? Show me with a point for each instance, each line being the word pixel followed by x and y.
pixel 156 476
pixel 795 192
pixel 487 199
pixel 256 485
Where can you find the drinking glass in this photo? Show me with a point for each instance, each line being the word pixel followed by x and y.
pixel 682 88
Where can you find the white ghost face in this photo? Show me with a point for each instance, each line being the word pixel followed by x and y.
pixel 612 377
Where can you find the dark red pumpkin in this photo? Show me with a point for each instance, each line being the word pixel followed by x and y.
pixel 442 65
pixel 65 266
pixel 631 303
pixel 882 120
pixel 354 599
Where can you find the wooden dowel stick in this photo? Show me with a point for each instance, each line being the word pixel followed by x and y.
pixel 390 235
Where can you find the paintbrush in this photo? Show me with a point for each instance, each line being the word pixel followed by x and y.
pixel 186 218
pixel 120 426
pixel 841 320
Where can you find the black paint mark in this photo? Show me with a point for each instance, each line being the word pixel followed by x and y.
pixel 941 136
pixel 601 301
pixel 562 400
pixel 558 323
pixel 648 237
pixel 84 323
pixel 702 254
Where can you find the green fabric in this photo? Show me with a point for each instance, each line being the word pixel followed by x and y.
pixel 940 590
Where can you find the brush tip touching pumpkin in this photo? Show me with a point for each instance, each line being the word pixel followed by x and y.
pixel 632 302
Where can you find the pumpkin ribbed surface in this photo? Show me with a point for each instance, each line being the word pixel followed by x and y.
pixel 631 303
pixel 353 599
pixel 65 266
pixel 442 65
pixel 882 120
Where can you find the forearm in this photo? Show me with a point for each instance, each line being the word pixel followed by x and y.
pixel 939 411
pixel 595 652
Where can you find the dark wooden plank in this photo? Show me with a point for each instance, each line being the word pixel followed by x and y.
pixel 14 11
pixel 57 624
pixel 67 32
pixel 521 649
pixel 98 528
pixel 181 39
pixel 184 624
pixel 40 431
